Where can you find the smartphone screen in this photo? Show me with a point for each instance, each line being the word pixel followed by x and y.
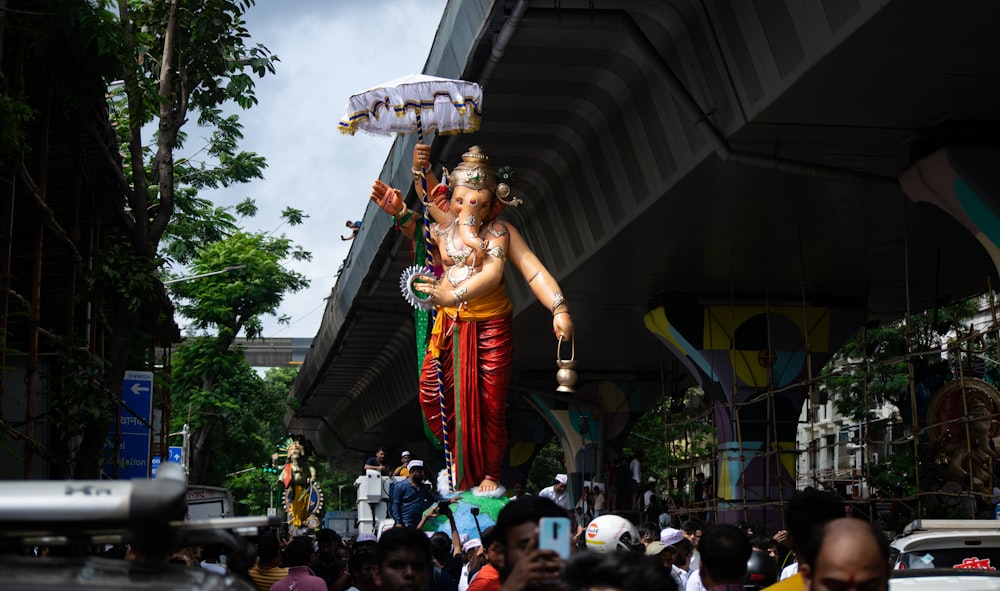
pixel 554 534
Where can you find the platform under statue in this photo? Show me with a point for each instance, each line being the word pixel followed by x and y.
pixel 467 366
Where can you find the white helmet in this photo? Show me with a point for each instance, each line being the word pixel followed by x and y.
pixel 608 533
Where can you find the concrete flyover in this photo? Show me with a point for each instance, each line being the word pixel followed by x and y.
pixel 274 351
pixel 715 184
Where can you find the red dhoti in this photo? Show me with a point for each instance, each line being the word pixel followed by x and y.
pixel 473 348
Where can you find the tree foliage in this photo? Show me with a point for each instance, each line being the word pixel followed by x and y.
pixel 170 63
pixel 238 418
pixel 675 439
pixel 876 359
pixel 253 283
pixel 548 462
pixel 237 280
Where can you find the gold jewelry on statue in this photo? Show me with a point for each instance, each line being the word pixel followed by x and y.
pixel 497 228
pixel 557 300
pixel 475 172
pixel 470 221
pixel 409 217
pixel 403 216
pixel 497 252
pixel 456 274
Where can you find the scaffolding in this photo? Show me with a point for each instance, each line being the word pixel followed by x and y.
pixel 933 456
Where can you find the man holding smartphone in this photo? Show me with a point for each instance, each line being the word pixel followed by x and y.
pixel 526 567
pixel 411 497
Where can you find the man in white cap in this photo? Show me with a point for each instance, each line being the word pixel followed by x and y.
pixel 402 470
pixel 411 497
pixel 674 538
pixel 558 492
pixel 473 549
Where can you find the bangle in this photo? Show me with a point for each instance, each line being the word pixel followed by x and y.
pixel 557 300
pixel 560 312
pixel 459 295
pixel 400 218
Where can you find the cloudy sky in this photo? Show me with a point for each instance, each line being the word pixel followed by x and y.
pixel 328 50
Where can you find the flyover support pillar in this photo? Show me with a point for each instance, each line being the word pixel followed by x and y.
pixel 961 180
pixel 754 364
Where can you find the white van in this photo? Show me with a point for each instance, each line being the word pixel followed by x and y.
pixel 947 543
pixel 208 502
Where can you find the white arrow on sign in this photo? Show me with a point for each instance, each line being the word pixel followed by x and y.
pixel 136 388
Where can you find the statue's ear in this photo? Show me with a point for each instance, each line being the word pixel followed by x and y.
pixel 441 196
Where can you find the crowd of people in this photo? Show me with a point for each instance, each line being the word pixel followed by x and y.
pixel 825 550
pixel 821 549
pixel 664 544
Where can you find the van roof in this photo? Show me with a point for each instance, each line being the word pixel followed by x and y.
pixel 918 525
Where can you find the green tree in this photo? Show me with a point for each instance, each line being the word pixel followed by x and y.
pixel 250 435
pixel 252 284
pixel 877 359
pixel 675 436
pixel 874 368
pixel 174 61
pixel 548 462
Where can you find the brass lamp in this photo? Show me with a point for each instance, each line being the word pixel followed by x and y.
pixel 566 375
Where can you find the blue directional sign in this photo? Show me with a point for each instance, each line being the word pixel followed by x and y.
pixel 153 466
pixel 136 412
pixel 175 454
pixel 133 456
pixel 137 395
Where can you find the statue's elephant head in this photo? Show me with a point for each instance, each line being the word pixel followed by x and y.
pixel 471 208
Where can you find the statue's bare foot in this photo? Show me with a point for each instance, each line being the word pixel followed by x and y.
pixel 487 485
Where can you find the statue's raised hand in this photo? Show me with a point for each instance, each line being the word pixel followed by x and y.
pixel 388 198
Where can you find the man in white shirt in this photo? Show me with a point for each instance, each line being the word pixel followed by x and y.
pixel 558 492
pixel 600 501
pixel 635 469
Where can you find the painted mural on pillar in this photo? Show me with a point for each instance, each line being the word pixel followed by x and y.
pixel 753 362
pixel 962 181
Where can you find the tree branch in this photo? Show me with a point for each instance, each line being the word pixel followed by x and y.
pixel 140 199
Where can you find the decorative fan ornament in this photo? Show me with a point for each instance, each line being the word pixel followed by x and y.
pixel 412 275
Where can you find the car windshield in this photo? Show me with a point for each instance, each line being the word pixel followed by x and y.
pixel 972 557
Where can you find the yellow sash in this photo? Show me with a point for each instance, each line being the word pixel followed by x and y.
pixel 494 304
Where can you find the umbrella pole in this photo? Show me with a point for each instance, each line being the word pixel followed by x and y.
pixel 448 460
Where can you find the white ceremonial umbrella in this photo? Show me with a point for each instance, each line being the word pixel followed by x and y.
pixel 417 103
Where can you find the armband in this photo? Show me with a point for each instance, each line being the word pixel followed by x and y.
pixel 497 252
